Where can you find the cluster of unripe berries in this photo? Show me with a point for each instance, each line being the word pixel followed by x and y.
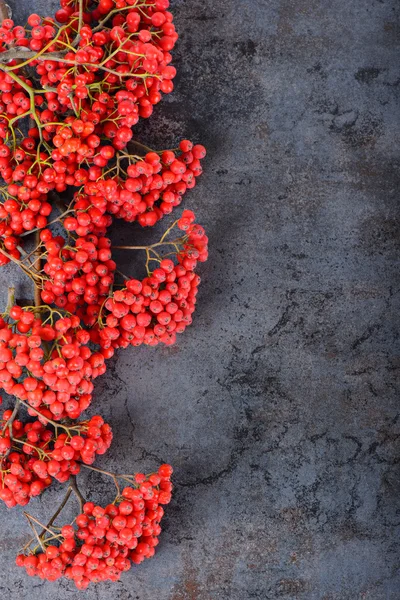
pixel 106 541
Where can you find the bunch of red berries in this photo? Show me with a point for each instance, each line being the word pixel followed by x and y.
pixel 154 310
pixel 96 81
pixel 108 540
pixel 20 447
pixel 26 205
pixel 48 364
pixel 152 187
pixel 41 31
pixel 29 463
pixel 89 439
pixel 79 275
pixel 72 88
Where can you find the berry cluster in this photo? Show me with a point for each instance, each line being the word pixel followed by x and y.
pixel 153 187
pixel 90 438
pixel 155 309
pixel 72 89
pixel 79 275
pixel 26 205
pixel 20 481
pixel 105 67
pixel 29 463
pixel 108 540
pixel 50 365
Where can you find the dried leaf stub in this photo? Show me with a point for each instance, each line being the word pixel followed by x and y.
pixel 5 11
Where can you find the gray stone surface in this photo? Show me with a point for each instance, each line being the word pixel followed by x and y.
pixel 278 408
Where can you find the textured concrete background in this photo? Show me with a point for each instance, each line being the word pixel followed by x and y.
pixel 278 407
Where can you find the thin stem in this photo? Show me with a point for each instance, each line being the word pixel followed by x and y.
pixel 130 247
pixel 37 265
pixel 114 476
pixel 168 231
pixel 101 24
pixel 88 64
pixel 67 429
pixel 40 451
pixel 140 145
pixel 55 536
pixel 122 274
pixel 146 247
pixel 107 473
pixel 11 419
pixel 28 256
pixel 147 262
pixel 58 511
pixel 46 528
pixel 30 92
pixel 30 518
pixel 80 23
pixel 162 242
pixel 74 487
pixel 35 533
pixel 36 55
pixel 17 262
pixel 91 468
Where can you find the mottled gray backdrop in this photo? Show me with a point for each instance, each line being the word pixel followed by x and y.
pixel 278 408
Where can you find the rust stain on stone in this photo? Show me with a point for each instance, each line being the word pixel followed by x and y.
pixel 289 12
pixel 288 587
pixel 189 587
